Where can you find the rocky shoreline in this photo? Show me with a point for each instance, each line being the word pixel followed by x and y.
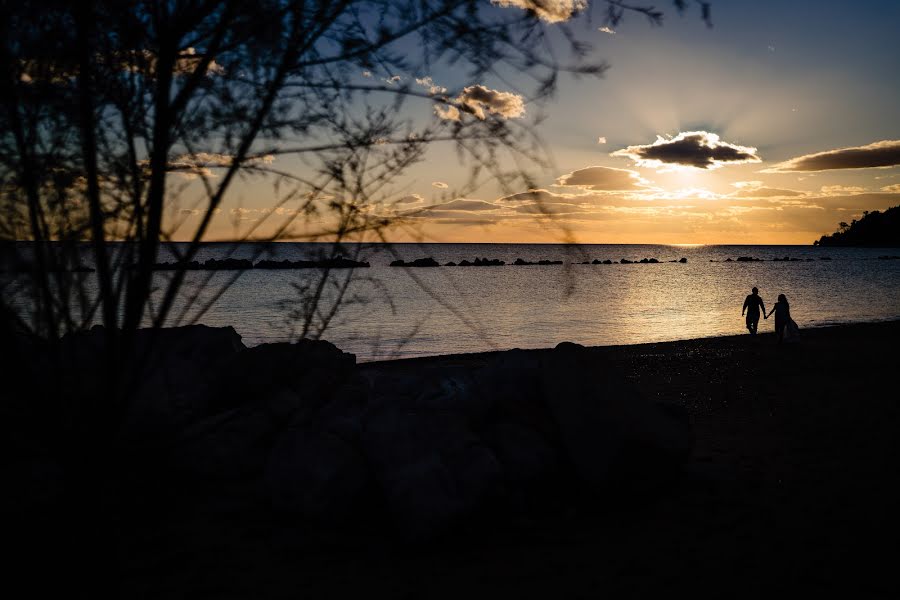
pixel 702 461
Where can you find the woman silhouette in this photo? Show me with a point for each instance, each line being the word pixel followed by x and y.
pixel 782 312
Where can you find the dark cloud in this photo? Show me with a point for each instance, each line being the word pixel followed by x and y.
pixel 698 149
pixel 604 179
pixel 885 153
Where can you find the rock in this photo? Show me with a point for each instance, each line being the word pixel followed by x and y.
pixel 569 347
pixel 315 474
pixel 596 261
pixel 510 388
pixel 520 262
pixel 625 261
pixel 290 382
pixel 178 374
pixel 483 262
pixel 274 264
pixel 338 262
pixel 527 458
pixel 607 262
pixel 419 262
pixel 227 264
pixel 431 468
pixel 232 445
pixel 450 264
pixel 609 431
pixel 683 260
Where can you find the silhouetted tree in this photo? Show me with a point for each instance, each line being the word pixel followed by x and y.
pixel 876 230
pixel 107 108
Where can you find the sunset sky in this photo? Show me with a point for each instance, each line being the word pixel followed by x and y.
pixel 771 127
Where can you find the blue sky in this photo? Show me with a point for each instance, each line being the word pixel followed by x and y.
pixel 784 78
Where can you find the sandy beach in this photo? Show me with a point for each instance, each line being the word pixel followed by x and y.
pixel 790 488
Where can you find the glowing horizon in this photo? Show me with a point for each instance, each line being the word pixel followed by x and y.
pixel 756 131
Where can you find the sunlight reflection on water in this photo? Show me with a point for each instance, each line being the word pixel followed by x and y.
pixel 484 308
pixel 456 310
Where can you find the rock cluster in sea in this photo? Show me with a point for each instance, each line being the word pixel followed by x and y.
pixel 419 262
pixel 241 264
pixel 519 262
pixel 481 262
pixel 305 430
pixel 776 259
pixel 626 261
pixel 430 262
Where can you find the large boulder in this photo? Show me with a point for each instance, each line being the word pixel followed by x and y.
pixel 430 467
pixel 230 446
pixel 168 375
pixel 316 475
pixel 289 381
pixel 609 431
pixel 510 385
pixel 528 459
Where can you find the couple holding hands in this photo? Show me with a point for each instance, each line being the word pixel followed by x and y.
pixel 782 311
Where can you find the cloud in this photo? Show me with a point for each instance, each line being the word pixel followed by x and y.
pixel 697 149
pixel 200 164
pixel 604 179
pixel 551 11
pixel 431 86
pixel 454 209
pixel 756 189
pixel 551 208
pixel 466 205
pixel 606 29
pixel 447 113
pixel 411 199
pixel 601 140
pixel 885 153
pixel 894 189
pixel 837 190
pixel 479 101
pixel 393 80
pixel 440 185
pixel 535 196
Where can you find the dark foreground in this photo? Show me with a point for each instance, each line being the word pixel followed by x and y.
pixel 790 488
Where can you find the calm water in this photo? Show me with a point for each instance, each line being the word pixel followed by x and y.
pixel 415 312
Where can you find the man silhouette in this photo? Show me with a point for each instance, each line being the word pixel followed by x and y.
pixel 752 304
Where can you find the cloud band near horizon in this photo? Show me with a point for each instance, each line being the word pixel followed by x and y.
pixel 877 155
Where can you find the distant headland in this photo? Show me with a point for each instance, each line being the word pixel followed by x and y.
pixel 876 229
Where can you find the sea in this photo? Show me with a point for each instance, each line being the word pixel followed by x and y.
pixel 384 312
